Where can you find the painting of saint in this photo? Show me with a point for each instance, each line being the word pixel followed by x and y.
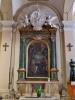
pixel 37 60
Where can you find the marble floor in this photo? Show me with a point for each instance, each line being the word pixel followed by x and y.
pixel 54 98
pixel 62 98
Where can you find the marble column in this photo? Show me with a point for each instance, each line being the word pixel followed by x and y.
pixel 12 59
pixel 16 45
pixel 54 75
pixel 6 8
pixel 53 52
pixel 22 62
pixel 22 53
pixel 58 52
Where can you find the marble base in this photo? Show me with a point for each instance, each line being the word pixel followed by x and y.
pixel 51 89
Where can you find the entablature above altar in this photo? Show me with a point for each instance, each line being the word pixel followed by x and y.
pixel 45 29
pixel 46 32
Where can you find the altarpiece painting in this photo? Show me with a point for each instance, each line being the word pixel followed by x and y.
pixel 37 59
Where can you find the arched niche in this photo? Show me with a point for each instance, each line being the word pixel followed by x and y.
pixel 25 6
pixel 29 9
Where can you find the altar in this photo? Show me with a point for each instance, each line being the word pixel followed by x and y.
pixel 50 89
pixel 38 63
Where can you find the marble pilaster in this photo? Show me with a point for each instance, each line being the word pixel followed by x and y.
pixel 63 64
pixel 58 54
pixel 5 56
pixel 16 45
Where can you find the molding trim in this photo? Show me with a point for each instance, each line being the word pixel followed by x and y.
pixel 69 26
pixel 4 90
pixel 7 23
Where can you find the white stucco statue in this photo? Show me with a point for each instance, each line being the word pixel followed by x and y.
pixel 37 19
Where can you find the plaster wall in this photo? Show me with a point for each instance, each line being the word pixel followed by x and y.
pixel 5 57
pixel 69 30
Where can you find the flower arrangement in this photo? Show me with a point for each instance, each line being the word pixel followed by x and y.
pixel 38 90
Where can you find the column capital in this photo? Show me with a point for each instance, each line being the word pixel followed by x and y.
pixel 61 28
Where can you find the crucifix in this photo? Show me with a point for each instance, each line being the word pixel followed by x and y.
pixel 5 46
pixel 69 46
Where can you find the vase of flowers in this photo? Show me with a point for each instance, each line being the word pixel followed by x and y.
pixel 38 91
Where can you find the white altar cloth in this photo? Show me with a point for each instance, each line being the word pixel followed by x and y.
pixel 51 98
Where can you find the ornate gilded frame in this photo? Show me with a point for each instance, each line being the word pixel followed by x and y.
pixel 38 41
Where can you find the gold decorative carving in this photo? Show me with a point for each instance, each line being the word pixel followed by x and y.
pixel 45 29
pixel 21 70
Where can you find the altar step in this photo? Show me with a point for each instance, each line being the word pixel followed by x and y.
pixel 35 98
